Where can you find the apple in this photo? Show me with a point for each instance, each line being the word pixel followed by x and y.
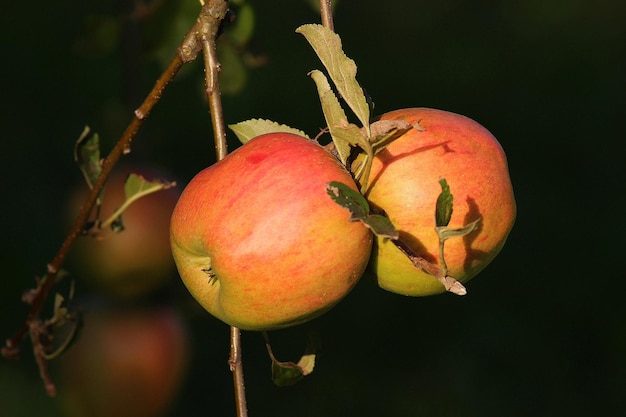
pixel 126 362
pixel 137 260
pixel 404 183
pixel 258 241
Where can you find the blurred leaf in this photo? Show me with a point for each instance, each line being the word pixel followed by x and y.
pixel 443 211
pixel 341 69
pixel 87 156
pixel 233 74
pixel 135 188
pixel 252 128
pixel 240 32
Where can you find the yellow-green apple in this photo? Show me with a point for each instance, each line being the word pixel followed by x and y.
pixel 258 241
pixel 126 362
pixel 138 259
pixel 404 183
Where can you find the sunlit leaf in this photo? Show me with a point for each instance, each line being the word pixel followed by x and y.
pixel 341 69
pixel 252 128
pixel 384 132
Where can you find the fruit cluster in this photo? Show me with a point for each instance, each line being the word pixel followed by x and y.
pixel 281 229
pixel 259 243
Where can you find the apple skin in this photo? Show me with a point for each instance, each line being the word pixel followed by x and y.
pixel 138 260
pixel 126 362
pixel 279 249
pixel 404 183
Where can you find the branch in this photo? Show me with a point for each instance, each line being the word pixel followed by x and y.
pixel 121 148
pixel 206 27
pixel 211 69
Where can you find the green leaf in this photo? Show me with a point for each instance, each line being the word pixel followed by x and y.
pixel 446 233
pixel 349 199
pixel 135 188
pixel 443 212
pixel 87 156
pixel 288 373
pixel 360 210
pixel 252 128
pixel 341 69
pixel 240 32
pixel 235 75
pixel 381 226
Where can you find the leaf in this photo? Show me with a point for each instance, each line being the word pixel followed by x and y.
pixel 252 128
pixel 135 188
pixel 333 113
pixel 381 226
pixel 446 233
pixel 386 131
pixel 349 199
pixel 443 211
pixel 341 69
pixel 360 210
pixel 87 156
pixel 285 374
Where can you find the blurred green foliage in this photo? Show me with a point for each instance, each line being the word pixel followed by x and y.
pixel 541 330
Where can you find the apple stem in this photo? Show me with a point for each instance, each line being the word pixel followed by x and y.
pixel 450 284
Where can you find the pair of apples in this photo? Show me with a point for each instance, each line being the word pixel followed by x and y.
pixel 261 245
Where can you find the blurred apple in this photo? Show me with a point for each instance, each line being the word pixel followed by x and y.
pixel 126 363
pixel 136 260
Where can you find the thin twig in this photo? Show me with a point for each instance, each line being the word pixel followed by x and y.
pixel 211 70
pixel 236 367
pixel 208 22
pixel 326 11
pixel 121 148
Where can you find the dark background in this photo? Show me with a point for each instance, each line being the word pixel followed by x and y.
pixel 543 328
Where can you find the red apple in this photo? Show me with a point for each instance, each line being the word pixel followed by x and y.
pixel 126 362
pixel 404 182
pixel 137 260
pixel 257 240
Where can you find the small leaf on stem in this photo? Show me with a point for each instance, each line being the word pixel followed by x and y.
pixel 360 210
pixel 252 128
pixel 135 188
pixel 87 156
pixel 443 212
pixel 342 70
pixel 349 199
pixel 285 374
